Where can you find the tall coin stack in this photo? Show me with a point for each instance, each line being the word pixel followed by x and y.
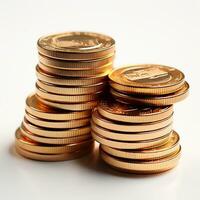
pixel 134 125
pixel 72 76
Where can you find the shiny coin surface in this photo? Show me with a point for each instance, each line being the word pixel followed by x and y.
pixel 70 106
pixel 131 145
pixel 52 157
pixel 147 79
pixel 75 65
pixel 75 123
pixel 142 167
pixel 40 110
pixel 114 110
pixel 30 145
pixel 67 98
pixel 55 140
pixel 170 147
pixel 76 73
pixel 76 45
pixel 67 90
pixel 135 136
pixel 69 81
pixel 55 133
pixel 163 100
pixel 128 127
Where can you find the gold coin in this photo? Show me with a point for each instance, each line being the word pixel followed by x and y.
pixel 76 46
pixel 70 106
pixel 67 98
pixel 147 79
pixel 131 145
pixel 40 110
pixel 54 140
pixel 114 110
pixel 135 136
pixel 76 73
pixel 52 157
pixel 164 100
pixel 75 65
pixel 69 81
pixel 142 167
pixel 171 147
pixel 55 133
pixel 67 90
pixel 128 127
pixel 75 123
pixel 30 145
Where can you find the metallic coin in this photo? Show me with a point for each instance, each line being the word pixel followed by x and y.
pixel 142 167
pixel 67 90
pixel 75 65
pixel 114 110
pixel 53 157
pixel 76 45
pixel 40 110
pixel 54 140
pixel 70 106
pixel 30 145
pixel 76 73
pixel 135 136
pixel 164 100
pixel 55 133
pixel 127 127
pixel 75 123
pixel 171 147
pixel 131 145
pixel 67 98
pixel 147 79
pixel 69 81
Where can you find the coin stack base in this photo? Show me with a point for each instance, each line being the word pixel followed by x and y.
pixel 72 76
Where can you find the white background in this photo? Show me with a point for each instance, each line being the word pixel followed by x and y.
pixel 164 32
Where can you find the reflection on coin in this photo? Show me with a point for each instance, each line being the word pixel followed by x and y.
pixel 170 147
pixel 147 79
pixel 40 110
pixel 30 145
pixel 114 110
pixel 76 45
pixel 146 167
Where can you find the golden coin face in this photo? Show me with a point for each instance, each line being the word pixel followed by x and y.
pixel 76 42
pixel 131 113
pixel 147 76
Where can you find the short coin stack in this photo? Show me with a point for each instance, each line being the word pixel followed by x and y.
pixel 134 126
pixel 72 73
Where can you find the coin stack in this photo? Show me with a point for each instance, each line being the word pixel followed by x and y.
pixel 134 125
pixel 72 76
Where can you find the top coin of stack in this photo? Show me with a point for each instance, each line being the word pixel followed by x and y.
pixel 151 84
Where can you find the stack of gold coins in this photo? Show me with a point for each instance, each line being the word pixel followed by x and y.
pixel 72 76
pixel 134 125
